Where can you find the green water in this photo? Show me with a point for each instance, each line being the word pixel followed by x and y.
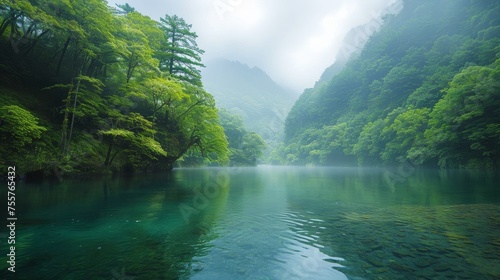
pixel 260 223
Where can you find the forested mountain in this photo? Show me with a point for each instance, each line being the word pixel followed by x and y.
pixel 355 40
pixel 424 90
pixel 85 87
pixel 251 93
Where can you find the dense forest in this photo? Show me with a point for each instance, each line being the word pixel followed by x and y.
pixel 425 90
pixel 85 87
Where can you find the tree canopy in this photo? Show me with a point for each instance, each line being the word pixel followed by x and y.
pixel 245 147
pixel 88 87
pixel 180 55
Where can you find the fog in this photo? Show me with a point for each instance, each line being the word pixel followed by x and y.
pixel 293 41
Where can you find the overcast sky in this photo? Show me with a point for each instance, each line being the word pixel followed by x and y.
pixel 292 40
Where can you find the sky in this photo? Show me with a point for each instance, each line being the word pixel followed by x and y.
pixel 293 41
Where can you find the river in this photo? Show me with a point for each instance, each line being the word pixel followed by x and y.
pixel 260 223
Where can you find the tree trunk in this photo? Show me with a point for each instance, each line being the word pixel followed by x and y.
pixel 108 154
pixel 73 115
pixel 172 53
pixel 131 66
pixel 113 157
pixel 66 44
pixel 64 133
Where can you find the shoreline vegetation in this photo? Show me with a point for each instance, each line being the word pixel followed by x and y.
pixel 91 89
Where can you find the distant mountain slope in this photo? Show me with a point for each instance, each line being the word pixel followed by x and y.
pixel 424 90
pixel 355 40
pixel 251 93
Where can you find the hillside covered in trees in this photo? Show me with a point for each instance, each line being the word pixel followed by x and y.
pixel 85 87
pixel 251 93
pixel 425 90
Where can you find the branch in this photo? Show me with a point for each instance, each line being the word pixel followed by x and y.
pixel 190 108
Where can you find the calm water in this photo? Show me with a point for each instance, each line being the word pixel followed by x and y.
pixel 260 223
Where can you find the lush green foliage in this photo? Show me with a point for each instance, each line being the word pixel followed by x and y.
pixel 181 54
pixel 87 87
pixel 245 147
pixel 424 90
pixel 19 126
pixel 464 126
pixel 18 129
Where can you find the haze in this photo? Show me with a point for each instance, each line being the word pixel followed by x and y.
pixel 293 41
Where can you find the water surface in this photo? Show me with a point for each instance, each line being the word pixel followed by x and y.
pixel 261 223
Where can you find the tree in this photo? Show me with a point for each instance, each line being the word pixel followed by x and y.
pixel 193 124
pixel 124 9
pixel 18 129
pixel 133 134
pixel 82 32
pixel 464 125
pixel 408 135
pixel 180 55
pixel 163 94
pixel 83 100
pixel 26 24
pixel 245 148
pixel 137 38
pixel 252 146
pixel 369 144
pixel 233 125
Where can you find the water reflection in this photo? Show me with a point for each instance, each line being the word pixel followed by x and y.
pixel 104 226
pixel 259 238
pixel 260 223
